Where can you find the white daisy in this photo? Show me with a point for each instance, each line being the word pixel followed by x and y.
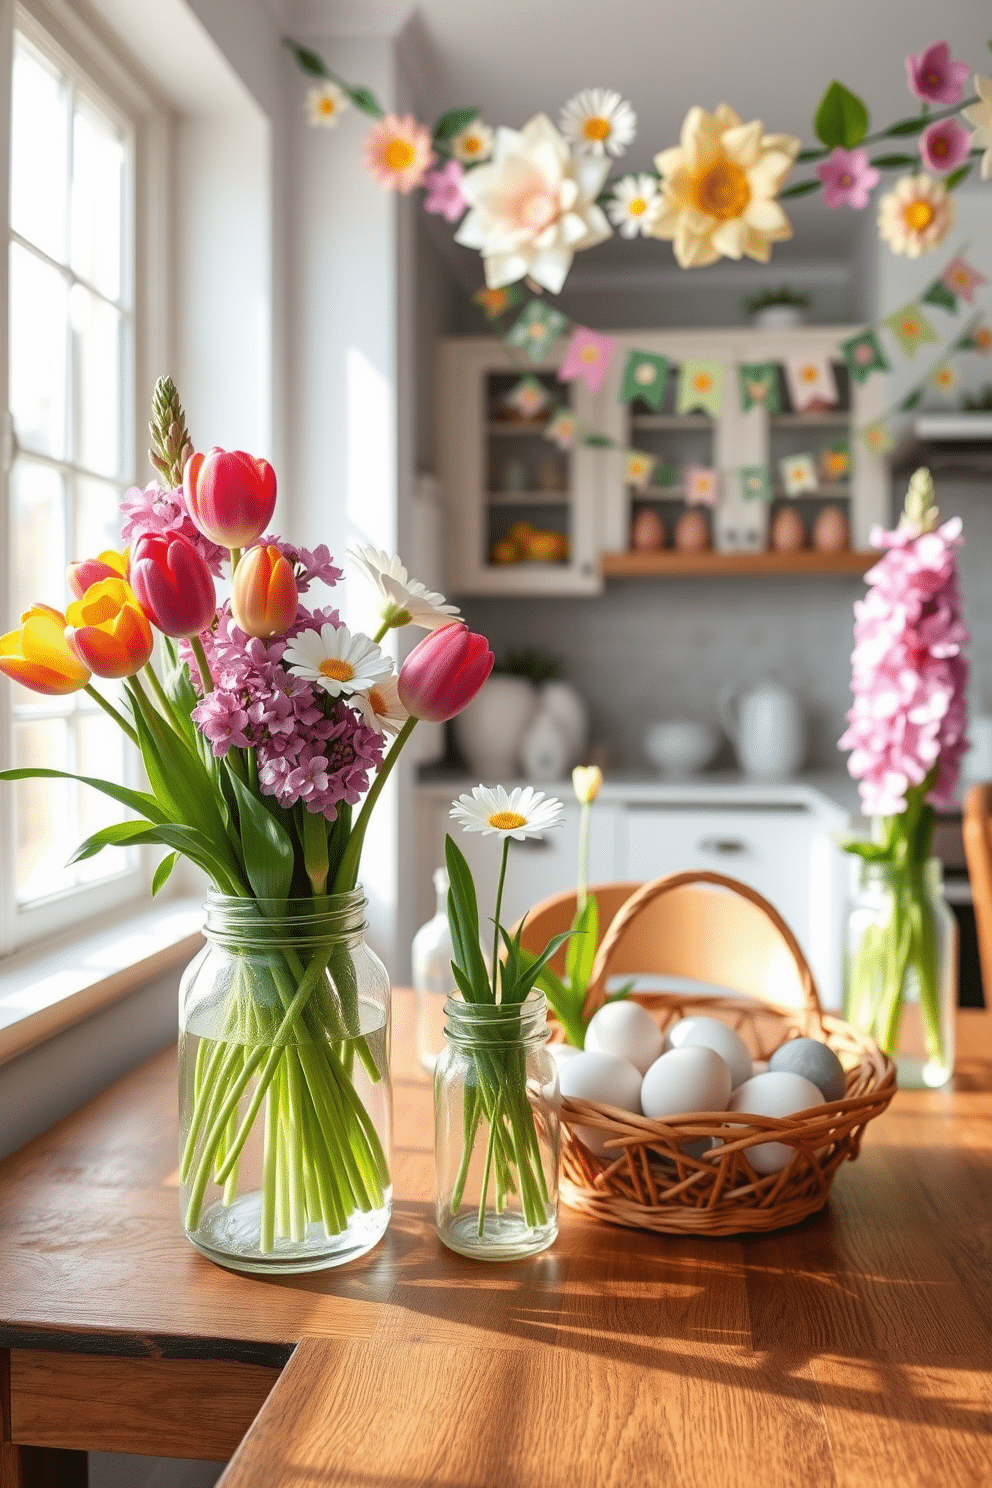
pixel 522 812
pixel 326 103
pixel 598 121
pixel 632 204
pixel 473 143
pixel 381 707
pixel 339 662
pixel 407 601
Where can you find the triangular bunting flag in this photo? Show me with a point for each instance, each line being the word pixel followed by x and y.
pixel 835 463
pixel 587 359
pixel 938 293
pixel 563 428
pixel 700 486
pixel 911 328
pixel 798 474
pixel 759 386
pixel 945 379
pixel 644 376
pixel 876 437
pixel 528 397
pixel 864 355
pixel 755 483
pixel 700 387
pixel 977 339
pixel 962 279
pixel 810 381
pixel 537 330
pixel 496 302
pixel 637 468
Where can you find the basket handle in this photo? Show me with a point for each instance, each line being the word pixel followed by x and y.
pixel 596 994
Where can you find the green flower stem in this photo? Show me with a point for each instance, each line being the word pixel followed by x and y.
pixel 347 874
pixel 112 712
pixel 490 1145
pixel 235 559
pixel 165 705
pixel 499 905
pixel 202 665
pixel 582 882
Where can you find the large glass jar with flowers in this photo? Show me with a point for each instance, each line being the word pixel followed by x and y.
pixel 907 733
pixel 269 724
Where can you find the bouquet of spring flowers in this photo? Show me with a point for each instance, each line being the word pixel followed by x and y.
pixel 907 735
pixel 269 724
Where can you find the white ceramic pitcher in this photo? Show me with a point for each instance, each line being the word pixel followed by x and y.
pixel 766 726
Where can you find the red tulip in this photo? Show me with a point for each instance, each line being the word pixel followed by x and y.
pixel 174 586
pixel 230 495
pixel 444 672
pixel 264 593
pixel 107 630
pixel 85 572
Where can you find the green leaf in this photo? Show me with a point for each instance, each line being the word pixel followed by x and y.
pixel 117 834
pixel 841 118
pixel 582 947
pixel 365 100
pixel 310 61
pixel 529 976
pixel 453 122
pixel 163 872
pixel 912 400
pixel 268 848
pixel 956 177
pixel 134 800
pixel 801 188
pixel 890 162
pixel 598 441
pixel 463 918
pixel 906 126
pixel 179 689
pixel 195 846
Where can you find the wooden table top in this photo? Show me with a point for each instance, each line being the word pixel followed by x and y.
pixel 854 1349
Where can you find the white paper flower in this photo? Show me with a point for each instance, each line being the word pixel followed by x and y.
pixel 522 812
pixel 533 206
pixel 915 216
pixel 406 601
pixel 472 144
pixel 633 204
pixel 719 187
pixel 598 121
pixel 326 103
pixel 979 116
pixel 381 707
pixel 336 660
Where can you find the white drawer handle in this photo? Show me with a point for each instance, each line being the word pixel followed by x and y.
pixel 723 847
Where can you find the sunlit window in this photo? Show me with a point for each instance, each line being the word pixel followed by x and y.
pixel 71 360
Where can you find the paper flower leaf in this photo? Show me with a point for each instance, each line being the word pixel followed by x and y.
pixel 841 118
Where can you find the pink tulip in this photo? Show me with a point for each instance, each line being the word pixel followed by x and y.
pixel 444 672
pixel 173 584
pixel 230 495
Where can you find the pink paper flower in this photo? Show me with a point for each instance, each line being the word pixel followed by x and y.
pixel 908 674
pixel 934 77
pixel 848 179
pixel 944 146
pixel 444 192
pixel 398 152
pixel 587 358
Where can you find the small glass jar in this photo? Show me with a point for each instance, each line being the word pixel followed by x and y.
pixel 432 979
pixel 284 1094
pixel 901 981
pixel 496 1130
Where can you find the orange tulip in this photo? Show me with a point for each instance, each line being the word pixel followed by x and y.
pixel 263 593
pixel 38 657
pixel 107 630
pixel 86 571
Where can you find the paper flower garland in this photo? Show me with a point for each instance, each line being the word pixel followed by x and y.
pixel 915 216
pixel 472 144
pixel 398 153
pixel 632 206
pixel 587 359
pixel 325 104
pixel 848 179
pixel 598 121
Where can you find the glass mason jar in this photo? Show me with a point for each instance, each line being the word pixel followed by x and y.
pixel 284 1094
pixel 433 982
pixel 901 983
pixel 496 1130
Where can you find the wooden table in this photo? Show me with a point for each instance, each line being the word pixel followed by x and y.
pixel 853 1350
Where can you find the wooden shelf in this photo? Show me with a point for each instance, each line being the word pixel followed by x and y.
pixel 529 498
pixel 809 420
pixel 668 563
pixel 671 421
pixel 839 491
pixel 519 426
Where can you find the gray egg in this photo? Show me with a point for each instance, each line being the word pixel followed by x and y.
pixel 815 1062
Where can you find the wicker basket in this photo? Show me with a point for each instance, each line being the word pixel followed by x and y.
pixel 647 1182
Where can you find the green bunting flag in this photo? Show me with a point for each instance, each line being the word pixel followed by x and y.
pixel 876 437
pixel 864 355
pixel 644 376
pixel 755 483
pixel 537 330
pixel 979 338
pixel 938 293
pixel 911 328
pixel 700 387
pixel 759 386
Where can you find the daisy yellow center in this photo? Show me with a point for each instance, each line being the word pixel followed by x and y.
pixel 596 128
pixel 338 671
pixel 507 821
pixel 400 154
pixel 379 704
pixel 327 106
pixel 637 206
pixel 919 215
pixel 721 191
pixel 472 145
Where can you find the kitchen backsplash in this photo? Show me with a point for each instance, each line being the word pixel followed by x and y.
pixel 651 649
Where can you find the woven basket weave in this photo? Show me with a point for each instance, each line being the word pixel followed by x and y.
pixel 647 1182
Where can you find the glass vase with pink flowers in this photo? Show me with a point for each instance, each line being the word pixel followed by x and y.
pixel 266 732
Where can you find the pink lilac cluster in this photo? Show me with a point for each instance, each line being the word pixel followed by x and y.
pixel 308 747
pixel 909 676
pixel 308 564
pixel 155 510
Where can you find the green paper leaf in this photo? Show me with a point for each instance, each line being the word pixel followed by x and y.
pixel 805 156
pixel 801 188
pixel 906 126
pixel 139 801
pixel 163 872
pixel 956 177
pixel 597 441
pixel 310 61
pixel 365 100
pixel 268 848
pixel 890 162
pixel 841 118
pixel 912 400
pixel 453 122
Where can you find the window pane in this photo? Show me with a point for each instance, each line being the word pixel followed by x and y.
pixel 41 809
pixel 97 185
pixel 38 164
pixel 37 513
pixel 98 518
pixel 98 340
pixel 38 313
pixel 100 752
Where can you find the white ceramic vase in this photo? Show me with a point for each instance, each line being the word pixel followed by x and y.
pixel 568 709
pixel 489 731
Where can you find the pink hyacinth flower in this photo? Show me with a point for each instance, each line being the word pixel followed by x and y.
pixel 944 146
pixel 934 77
pixel 848 179
pixel 444 192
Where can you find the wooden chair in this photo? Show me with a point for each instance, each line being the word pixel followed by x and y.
pixel 706 928
pixel 977 831
pixel 555 915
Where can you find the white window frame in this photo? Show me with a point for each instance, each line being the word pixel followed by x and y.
pixel 92 60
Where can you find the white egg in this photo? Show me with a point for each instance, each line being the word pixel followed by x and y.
pixel 713 1034
pixel 685 1080
pixel 626 1030
pixel 561 1052
pixel 605 1079
pixel 775 1093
